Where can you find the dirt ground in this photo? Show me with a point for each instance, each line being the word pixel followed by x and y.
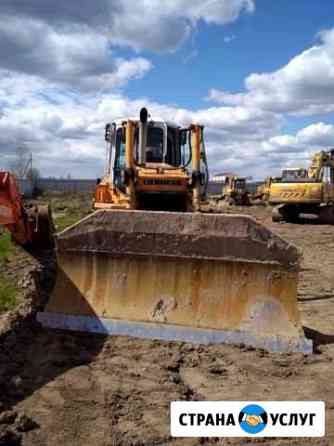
pixel 68 389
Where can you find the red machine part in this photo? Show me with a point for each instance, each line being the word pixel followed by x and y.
pixel 27 226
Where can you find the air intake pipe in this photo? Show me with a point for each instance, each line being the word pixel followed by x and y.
pixel 142 136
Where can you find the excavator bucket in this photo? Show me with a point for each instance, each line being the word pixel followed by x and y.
pixel 194 277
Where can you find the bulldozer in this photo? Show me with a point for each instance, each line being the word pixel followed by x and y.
pixel 235 191
pixel 305 191
pixel 149 263
pixel 30 225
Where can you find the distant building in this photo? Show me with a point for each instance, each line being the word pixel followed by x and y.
pixel 67 185
pixel 220 177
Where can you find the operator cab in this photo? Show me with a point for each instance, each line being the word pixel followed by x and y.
pixel 235 183
pixel 166 145
pixel 240 184
pixel 294 174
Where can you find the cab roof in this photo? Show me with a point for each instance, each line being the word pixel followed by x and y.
pixel 157 120
pixel 292 169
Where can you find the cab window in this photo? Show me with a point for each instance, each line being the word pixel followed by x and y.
pixel 120 150
pixel 155 145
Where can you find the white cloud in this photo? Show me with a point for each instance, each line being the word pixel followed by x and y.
pixel 157 25
pixel 165 24
pixel 317 134
pixel 61 70
pixel 229 39
pixel 76 59
pixel 302 87
pixel 76 44
pixel 65 132
pixel 296 150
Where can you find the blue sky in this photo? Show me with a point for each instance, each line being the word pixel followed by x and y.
pixel 259 74
pixel 263 41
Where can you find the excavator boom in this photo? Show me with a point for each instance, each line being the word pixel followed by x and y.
pixel 10 200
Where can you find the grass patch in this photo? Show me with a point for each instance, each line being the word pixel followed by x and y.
pixel 6 246
pixel 8 291
pixel 68 209
pixel 64 221
pixel 8 294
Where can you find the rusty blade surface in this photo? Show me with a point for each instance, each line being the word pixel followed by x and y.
pixel 180 235
pixel 192 277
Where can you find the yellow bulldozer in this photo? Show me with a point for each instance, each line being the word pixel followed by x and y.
pixel 235 191
pixel 305 191
pixel 149 263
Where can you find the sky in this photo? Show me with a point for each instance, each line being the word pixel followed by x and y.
pixel 258 74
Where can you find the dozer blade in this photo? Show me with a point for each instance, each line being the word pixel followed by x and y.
pixel 202 278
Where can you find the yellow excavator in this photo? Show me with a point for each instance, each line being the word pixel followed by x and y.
pixel 149 263
pixel 305 191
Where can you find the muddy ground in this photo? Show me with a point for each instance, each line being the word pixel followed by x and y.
pixel 65 389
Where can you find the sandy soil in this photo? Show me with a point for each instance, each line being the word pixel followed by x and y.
pixel 64 389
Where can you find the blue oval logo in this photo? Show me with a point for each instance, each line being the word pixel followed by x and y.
pixel 253 419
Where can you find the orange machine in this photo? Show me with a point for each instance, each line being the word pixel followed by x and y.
pixel 29 226
pixel 153 165
pixel 150 263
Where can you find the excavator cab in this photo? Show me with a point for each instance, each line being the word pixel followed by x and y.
pixel 293 174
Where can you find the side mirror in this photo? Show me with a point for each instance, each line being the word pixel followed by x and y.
pixel 109 135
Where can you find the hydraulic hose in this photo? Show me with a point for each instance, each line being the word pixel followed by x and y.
pixel 206 167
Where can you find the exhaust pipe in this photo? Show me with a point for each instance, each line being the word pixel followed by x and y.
pixel 142 136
